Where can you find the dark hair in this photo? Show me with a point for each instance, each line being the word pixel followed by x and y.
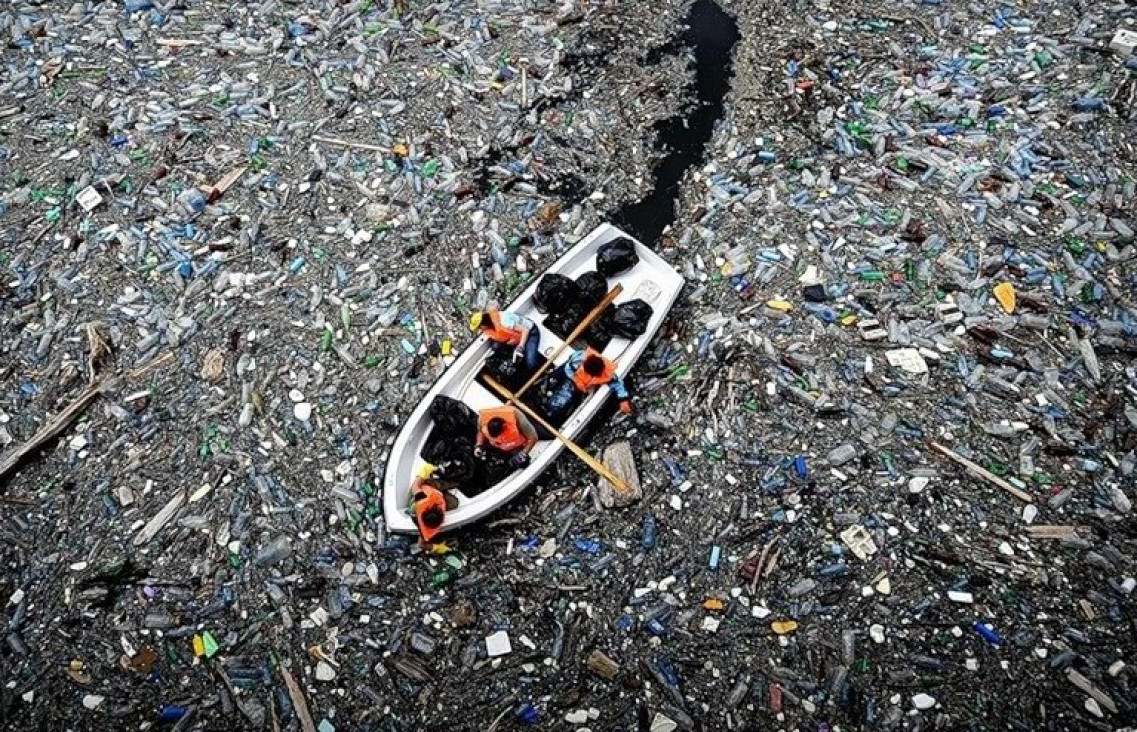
pixel 594 365
pixel 495 426
pixel 432 517
pixel 485 323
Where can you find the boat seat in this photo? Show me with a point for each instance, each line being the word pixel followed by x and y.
pixel 478 397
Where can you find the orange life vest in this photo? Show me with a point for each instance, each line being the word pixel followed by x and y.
pixel 428 497
pixel 511 439
pixel 585 381
pixel 498 332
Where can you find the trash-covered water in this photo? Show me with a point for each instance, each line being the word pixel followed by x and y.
pixel 886 445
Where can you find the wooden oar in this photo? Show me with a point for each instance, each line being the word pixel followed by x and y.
pixel 588 320
pixel 592 462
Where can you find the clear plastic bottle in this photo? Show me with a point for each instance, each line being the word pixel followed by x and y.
pixel 274 552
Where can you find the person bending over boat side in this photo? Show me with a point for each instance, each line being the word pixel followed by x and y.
pixel 583 373
pixel 508 431
pixel 430 501
pixel 505 329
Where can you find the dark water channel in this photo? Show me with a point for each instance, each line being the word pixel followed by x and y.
pixel 711 34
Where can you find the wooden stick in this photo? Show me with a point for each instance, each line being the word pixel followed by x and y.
pixel 588 320
pixel 759 566
pixel 59 422
pixel 1051 532
pixel 299 703
pixel 51 428
pixel 981 472
pixel 348 143
pixel 577 450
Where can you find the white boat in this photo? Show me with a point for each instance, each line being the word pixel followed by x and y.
pixel 651 280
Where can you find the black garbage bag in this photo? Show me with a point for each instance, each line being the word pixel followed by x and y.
pixel 815 293
pixel 554 291
pixel 593 288
pixel 496 468
pixel 631 319
pixel 505 370
pixel 453 417
pixel 616 257
pixel 454 457
pixel 600 332
pixel 564 319
pixel 450 444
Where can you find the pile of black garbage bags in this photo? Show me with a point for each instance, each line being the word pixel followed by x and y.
pixel 565 301
pixel 450 447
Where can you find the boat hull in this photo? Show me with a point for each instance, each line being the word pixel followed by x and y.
pixel 652 280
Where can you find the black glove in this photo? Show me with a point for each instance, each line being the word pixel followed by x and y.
pixel 519 461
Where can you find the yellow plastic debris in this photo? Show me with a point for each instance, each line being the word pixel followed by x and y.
pixel 400 149
pixel 446 347
pixel 780 305
pixel 198 646
pixel 713 603
pixel 781 627
pixel 1005 294
pixel 439 548
pixel 848 319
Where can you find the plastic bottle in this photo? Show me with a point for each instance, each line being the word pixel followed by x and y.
pixel 650 531
pixel 841 455
pixel 171 713
pixel 274 552
pixel 192 200
pixel 988 633
pixel 527 713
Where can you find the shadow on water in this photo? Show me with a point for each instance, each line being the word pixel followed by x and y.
pixel 711 33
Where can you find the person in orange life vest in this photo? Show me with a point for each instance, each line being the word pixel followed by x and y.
pixel 584 372
pixel 506 329
pixel 508 430
pixel 430 502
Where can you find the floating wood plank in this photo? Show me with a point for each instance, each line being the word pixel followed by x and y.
pixel 1087 686
pixel 229 179
pixel 154 525
pixel 59 422
pixel 52 427
pixel 600 664
pixel 619 459
pixel 1052 532
pixel 299 703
